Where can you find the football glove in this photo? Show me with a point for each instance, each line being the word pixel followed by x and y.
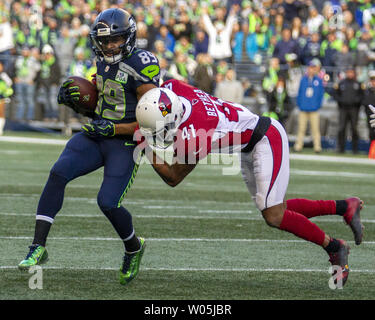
pixel 69 95
pixel 372 116
pixel 99 128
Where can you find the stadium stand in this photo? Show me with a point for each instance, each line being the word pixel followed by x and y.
pixel 338 33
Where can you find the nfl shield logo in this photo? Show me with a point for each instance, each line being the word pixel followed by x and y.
pixel 121 76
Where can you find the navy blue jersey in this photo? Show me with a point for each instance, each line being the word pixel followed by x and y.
pixel 117 84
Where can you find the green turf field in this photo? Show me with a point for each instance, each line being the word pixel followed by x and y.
pixel 205 239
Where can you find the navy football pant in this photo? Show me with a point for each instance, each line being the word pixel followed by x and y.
pixel 83 155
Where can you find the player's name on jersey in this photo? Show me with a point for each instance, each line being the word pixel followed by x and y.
pixel 208 103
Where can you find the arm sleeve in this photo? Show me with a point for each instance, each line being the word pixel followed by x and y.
pixel 208 25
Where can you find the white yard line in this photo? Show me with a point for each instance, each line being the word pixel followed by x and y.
pixel 33 140
pixel 195 217
pixel 170 239
pixel 350 160
pixel 195 269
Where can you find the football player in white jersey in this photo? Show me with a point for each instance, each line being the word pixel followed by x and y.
pixel 197 123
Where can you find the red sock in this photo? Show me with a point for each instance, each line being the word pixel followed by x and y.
pixel 302 227
pixel 312 208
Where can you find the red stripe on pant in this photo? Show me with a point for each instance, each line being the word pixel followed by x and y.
pixel 276 144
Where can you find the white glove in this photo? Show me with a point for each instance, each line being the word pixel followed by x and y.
pixel 372 116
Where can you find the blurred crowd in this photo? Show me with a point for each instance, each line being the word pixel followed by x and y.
pixel 205 43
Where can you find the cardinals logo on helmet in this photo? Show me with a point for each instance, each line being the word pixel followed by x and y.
pixel 165 104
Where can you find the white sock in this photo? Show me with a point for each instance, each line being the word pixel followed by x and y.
pixel 2 124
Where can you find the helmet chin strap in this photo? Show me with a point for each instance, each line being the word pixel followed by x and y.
pixel 113 59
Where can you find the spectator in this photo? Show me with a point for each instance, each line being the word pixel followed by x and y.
pixel 154 29
pixel 364 54
pixel 49 33
pixel 183 45
pixel 6 42
pixel 142 37
pixel 368 98
pixel 256 43
pixel 285 46
pixel 309 101
pixel 200 43
pixel 5 92
pixel 344 58
pixel 348 94
pixel 83 41
pixel 183 27
pixel 79 66
pixel 303 38
pixel 222 67
pixel 64 49
pixel 247 88
pixel 204 73
pixel 296 28
pixel 311 49
pixel 241 43
pixel 75 27
pixel 167 38
pixel 49 81
pixel 279 25
pixel 230 89
pixel 261 23
pixel 164 71
pixel 348 20
pixel 271 77
pixel 219 36
pixel 161 52
pixel 368 14
pixel 351 39
pixel 315 20
pixel 27 68
pixel 178 68
pixel 329 49
pixel 294 75
pixel 280 104
pixel 246 9
pixel 291 9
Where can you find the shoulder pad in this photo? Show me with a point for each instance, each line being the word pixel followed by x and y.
pixel 142 65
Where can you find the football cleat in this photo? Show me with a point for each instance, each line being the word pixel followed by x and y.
pixel 353 219
pixel 37 255
pixel 340 259
pixel 130 265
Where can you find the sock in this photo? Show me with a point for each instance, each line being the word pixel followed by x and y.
pixel 50 203
pixel 302 227
pixel 133 244
pixel 312 208
pixel 341 207
pixel 333 246
pixel 121 220
pixel 41 232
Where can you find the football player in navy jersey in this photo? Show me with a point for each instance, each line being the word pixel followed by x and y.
pixel 124 74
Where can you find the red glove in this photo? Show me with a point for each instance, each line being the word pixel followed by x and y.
pixel 93 80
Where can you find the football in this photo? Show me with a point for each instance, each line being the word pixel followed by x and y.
pixel 88 93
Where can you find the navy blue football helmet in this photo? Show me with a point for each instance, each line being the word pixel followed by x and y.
pixel 113 26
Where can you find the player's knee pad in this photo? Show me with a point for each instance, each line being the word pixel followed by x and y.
pixel 106 204
pixel 60 170
pixel 56 179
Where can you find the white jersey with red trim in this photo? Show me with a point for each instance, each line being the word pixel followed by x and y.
pixel 209 124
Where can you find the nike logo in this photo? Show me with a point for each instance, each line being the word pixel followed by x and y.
pixel 196 152
pixel 129 144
